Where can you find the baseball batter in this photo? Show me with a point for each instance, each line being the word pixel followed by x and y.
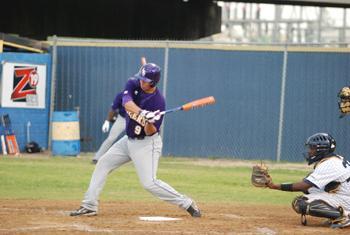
pixel 327 187
pixel 116 115
pixel 142 145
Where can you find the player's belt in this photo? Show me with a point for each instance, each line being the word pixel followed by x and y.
pixel 142 137
pixel 137 137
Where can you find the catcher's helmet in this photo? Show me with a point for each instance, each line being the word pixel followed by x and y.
pixel 149 73
pixel 319 145
pixel 32 147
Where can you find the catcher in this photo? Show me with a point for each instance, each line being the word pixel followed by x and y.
pixel 344 103
pixel 326 189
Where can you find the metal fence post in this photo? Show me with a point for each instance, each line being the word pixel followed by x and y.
pixel 281 114
pixel 165 80
pixel 53 86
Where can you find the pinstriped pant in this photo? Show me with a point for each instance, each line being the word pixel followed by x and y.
pixel 334 199
pixel 145 155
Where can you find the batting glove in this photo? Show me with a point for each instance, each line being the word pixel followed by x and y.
pixel 152 117
pixel 105 126
pixel 144 112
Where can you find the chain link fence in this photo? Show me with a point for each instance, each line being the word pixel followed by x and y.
pixel 269 98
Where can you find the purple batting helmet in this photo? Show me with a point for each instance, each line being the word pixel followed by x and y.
pixel 149 73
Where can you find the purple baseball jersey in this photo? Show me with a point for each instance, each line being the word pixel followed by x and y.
pixel 118 104
pixel 155 101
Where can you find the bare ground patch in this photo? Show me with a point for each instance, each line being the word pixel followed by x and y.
pixel 122 217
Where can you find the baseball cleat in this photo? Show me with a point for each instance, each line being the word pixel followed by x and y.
pixel 82 211
pixel 194 211
pixel 94 161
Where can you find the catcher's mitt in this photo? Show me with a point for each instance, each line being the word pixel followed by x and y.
pixel 344 93
pixel 344 103
pixel 260 176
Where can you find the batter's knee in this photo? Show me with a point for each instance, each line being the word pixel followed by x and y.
pixel 149 185
pixel 318 208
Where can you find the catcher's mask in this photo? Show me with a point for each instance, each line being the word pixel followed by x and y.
pixel 319 146
pixel 32 147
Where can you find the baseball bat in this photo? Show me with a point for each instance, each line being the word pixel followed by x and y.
pixel 143 60
pixel 192 105
pixel 10 137
pixel 3 145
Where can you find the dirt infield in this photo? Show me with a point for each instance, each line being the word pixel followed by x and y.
pixel 51 217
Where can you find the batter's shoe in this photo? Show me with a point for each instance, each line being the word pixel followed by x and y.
pixel 82 211
pixel 194 211
pixel 94 161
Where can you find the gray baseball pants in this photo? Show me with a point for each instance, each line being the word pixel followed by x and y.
pixel 144 154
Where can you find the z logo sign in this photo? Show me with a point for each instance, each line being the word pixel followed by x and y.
pixel 25 81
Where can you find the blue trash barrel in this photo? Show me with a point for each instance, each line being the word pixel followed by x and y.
pixel 65 134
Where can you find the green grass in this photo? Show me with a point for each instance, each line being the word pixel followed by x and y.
pixel 59 178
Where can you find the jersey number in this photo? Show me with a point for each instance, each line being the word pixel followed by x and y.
pixel 137 130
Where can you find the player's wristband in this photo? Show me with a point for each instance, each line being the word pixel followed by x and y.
pixel 287 187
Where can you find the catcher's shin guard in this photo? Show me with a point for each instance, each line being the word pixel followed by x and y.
pixel 316 208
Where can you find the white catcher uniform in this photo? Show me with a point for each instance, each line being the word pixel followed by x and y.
pixel 334 168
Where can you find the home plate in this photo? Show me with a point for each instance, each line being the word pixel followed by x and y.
pixel 157 218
